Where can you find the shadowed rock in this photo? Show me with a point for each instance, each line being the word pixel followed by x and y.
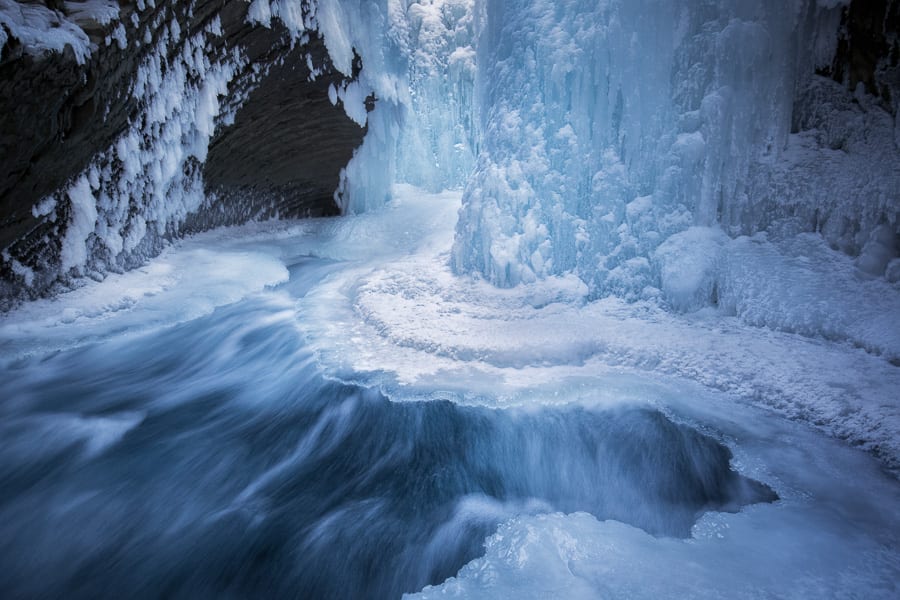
pixel 282 155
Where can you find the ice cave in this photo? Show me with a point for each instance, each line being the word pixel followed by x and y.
pixel 499 299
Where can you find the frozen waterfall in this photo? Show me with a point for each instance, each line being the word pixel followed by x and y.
pixel 628 143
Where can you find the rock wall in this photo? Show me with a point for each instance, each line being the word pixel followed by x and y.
pixel 184 116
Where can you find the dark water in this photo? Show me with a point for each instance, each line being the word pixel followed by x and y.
pixel 213 460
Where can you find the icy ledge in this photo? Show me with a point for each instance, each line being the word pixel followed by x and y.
pixel 801 352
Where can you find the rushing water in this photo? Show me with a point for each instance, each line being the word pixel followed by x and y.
pixel 213 458
pixel 152 446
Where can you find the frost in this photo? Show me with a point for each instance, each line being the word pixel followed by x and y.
pixel 82 218
pixel 21 270
pixel 147 182
pixel 102 12
pixel 44 208
pixel 41 30
pixel 260 12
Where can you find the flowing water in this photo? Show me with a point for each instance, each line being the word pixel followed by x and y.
pixel 153 448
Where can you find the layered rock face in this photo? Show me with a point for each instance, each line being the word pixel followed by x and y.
pixel 156 120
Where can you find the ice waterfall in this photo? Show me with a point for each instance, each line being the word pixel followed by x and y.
pixel 616 133
pixel 628 143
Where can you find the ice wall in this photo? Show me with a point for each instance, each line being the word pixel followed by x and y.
pixel 607 128
pixel 437 142
pixel 418 65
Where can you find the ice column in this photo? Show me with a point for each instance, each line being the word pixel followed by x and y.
pixel 606 127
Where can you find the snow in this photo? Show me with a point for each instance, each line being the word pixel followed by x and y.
pixel 44 208
pixel 142 185
pixel 102 12
pixel 82 216
pixel 41 30
pixel 260 12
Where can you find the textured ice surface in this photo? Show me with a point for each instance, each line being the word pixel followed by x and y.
pixel 607 128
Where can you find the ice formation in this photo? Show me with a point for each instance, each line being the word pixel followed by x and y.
pixel 41 29
pixel 150 177
pixel 610 131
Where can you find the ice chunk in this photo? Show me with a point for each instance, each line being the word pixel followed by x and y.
pixel 688 265
pixel 879 250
